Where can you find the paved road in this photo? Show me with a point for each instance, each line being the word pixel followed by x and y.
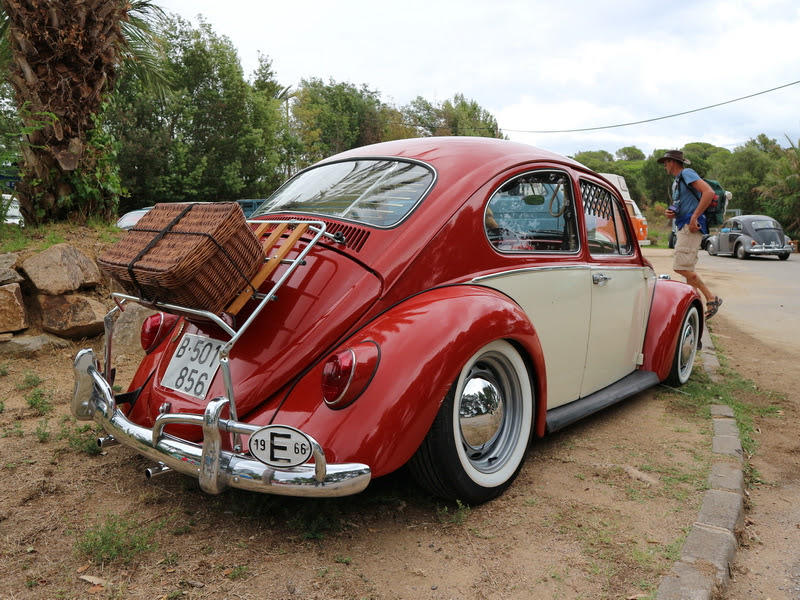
pixel 762 298
pixel 761 295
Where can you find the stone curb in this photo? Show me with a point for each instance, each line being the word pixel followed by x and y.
pixel 703 570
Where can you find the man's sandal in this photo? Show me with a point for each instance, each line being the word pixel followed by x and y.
pixel 713 307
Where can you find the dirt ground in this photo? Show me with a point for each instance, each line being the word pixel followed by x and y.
pixel 600 510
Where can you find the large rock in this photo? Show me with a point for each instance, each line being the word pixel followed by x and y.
pixel 128 332
pixel 72 316
pixel 26 346
pixel 8 269
pixel 61 269
pixel 13 316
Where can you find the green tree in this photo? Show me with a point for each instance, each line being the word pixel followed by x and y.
pixel 742 173
pixel 458 116
pixel 780 193
pixel 656 182
pixel 63 59
pixel 597 160
pixel 630 153
pixel 335 117
pixel 215 138
pixel 766 144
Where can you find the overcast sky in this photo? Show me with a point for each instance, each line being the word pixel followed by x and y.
pixel 543 66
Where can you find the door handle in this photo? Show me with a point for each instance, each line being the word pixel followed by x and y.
pixel 599 279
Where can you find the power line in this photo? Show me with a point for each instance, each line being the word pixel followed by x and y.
pixel 656 118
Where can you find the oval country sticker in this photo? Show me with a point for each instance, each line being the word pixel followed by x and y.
pixel 280 447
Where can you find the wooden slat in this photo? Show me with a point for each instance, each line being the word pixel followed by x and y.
pixel 271 264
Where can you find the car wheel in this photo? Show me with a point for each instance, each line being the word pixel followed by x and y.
pixel 740 253
pixel 476 445
pixel 784 256
pixel 686 349
pixel 711 248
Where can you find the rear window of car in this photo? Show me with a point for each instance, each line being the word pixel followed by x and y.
pixel 765 224
pixel 377 192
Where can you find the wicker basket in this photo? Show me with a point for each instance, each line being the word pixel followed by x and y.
pixel 197 256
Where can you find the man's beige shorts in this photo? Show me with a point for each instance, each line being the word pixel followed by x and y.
pixel 687 247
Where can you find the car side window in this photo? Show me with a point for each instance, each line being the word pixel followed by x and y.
pixel 736 226
pixel 605 226
pixel 533 212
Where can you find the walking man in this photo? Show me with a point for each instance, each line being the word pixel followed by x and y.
pixel 690 198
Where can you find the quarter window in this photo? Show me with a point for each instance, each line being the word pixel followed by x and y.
pixel 605 225
pixel 534 212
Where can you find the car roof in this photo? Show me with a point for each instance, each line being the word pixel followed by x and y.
pixel 482 153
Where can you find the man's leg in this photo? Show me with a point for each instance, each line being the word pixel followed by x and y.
pixel 687 247
pixel 693 279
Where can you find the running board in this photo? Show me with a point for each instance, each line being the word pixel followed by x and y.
pixel 564 415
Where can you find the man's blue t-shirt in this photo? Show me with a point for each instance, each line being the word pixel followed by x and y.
pixel 686 200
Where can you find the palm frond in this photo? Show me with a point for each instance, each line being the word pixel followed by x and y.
pixel 5 45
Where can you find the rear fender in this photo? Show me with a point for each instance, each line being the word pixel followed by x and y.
pixel 423 344
pixel 671 300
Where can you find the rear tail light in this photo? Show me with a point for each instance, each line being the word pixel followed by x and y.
pixel 155 328
pixel 346 374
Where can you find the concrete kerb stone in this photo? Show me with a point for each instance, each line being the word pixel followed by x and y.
pixel 703 570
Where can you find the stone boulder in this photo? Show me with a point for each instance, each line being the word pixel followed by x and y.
pixel 61 269
pixel 13 315
pixel 27 346
pixel 8 269
pixel 72 316
pixel 127 332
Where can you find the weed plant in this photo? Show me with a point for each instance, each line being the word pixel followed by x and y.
pixel 117 540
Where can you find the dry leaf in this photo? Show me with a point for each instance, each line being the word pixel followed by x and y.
pixel 93 579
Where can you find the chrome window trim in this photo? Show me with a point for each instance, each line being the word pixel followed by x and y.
pixel 529 171
pixel 414 161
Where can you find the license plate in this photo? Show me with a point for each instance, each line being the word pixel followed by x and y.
pixel 193 365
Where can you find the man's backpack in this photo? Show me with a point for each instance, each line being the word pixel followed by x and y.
pixel 715 212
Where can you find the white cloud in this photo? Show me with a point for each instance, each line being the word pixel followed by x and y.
pixel 543 65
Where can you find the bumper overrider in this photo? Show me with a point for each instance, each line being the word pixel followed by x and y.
pixel 216 469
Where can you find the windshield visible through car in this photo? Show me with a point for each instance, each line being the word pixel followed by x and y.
pixel 376 192
pixel 765 224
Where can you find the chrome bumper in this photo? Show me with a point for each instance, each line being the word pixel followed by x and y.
pixel 217 469
pixel 769 249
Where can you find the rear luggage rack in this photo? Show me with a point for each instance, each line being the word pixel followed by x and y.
pixel 275 240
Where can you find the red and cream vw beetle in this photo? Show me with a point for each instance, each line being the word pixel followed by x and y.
pixel 437 303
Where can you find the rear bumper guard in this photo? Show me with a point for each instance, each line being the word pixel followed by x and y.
pixel 216 469
pixel 769 249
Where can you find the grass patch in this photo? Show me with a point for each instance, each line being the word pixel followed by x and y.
pixel 29 380
pixel 731 389
pixel 117 540
pixel 81 438
pixel 40 401
pixel 455 516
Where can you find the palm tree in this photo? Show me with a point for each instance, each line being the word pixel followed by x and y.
pixel 62 58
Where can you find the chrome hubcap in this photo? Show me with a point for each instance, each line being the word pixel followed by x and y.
pixel 480 413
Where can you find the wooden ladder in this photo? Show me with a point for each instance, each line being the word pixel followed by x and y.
pixel 271 262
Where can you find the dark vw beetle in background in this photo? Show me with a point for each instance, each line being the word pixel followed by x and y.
pixel 750 235
pixel 450 299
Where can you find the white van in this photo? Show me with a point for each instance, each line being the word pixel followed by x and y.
pixel 638 219
pixel 10 210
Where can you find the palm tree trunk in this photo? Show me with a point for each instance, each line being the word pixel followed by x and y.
pixel 65 57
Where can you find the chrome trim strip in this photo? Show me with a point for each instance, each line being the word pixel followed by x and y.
pixel 531 270
pixel 215 468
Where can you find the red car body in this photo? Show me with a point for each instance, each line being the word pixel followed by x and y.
pixel 443 341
